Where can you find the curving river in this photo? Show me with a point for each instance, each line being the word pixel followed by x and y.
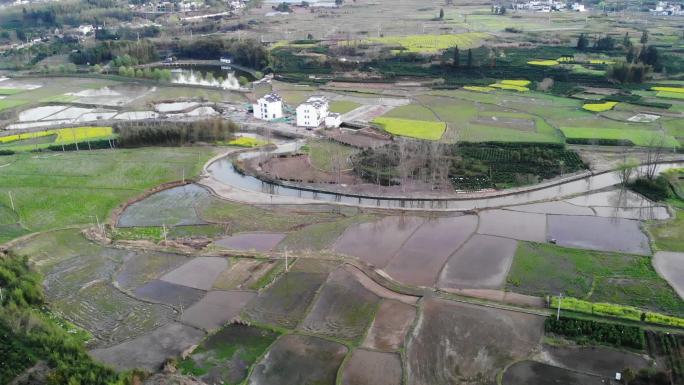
pixel 224 172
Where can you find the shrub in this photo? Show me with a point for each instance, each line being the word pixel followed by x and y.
pixel 657 189
pixel 595 332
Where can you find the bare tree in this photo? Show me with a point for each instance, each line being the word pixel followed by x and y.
pixel 626 170
pixel 654 154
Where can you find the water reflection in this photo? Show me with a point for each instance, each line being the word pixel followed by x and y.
pixel 183 76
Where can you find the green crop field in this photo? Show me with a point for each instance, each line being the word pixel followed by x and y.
pixel 343 106
pixel 431 43
pixel 412 112
pixel 55 190
pixel 638 137
pixel 323 152
pixel 669 235
pixel 419 129
pixel 625 279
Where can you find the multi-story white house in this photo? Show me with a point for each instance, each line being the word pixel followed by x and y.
pixel 269 107
pixel 313 112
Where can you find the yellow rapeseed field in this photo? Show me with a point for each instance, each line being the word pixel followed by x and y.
pixel 599 107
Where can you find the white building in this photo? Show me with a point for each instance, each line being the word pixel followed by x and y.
pixel 333 120
pixel 269 107
pixel 86 29
pixel 313 112
pixel 578 7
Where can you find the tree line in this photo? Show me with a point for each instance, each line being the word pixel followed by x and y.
pixel 162 133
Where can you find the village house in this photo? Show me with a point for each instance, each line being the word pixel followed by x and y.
pixel 313 112
pixel 269 107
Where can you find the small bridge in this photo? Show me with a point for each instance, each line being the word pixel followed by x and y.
pixel 216 63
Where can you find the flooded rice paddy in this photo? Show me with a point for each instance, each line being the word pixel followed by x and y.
pixel 251 241
pixel 216 309
pixel 172 207
pixel 670 265
pixel 456 343
pixel 530 372
pixel 296 359
pixel 481 263
pixel 598 233
pixel 199 273
pixel 370 367
pixel 390 326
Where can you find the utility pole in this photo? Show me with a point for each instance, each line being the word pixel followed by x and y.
pixel 11 200
pixel 560 298
pixel 287 266
pixel 164 232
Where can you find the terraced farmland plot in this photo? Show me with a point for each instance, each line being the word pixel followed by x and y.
pixel 376 242
pixel 110 315
pixel 144 267
pixel 300 360
pixel 456 343
pixel 508 224
pixel 169 294
pixel 284 303
pixel 172 207
pixel 530 372
pixel 226 356
pixel 258 241
pixel 369 367
pixel 392 321
pixel 598 233
pixel 482 263
pixel 149 351
pixel 247 273
pixel 344 308
pixel 424 253
pixel 216 309
pixel 199 273
pixel 597 360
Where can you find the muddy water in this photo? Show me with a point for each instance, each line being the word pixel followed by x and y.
pixel 216 309
pixel 597 233
pixel 369 367
pixel 515 225
pixel 137 115
pixel 423 255
pixel 602 361
pixel 175 106
pixel 38 113
pixel 612 198
pixel 670 265
pixel 530 372
pixel 376 242
pixel 199 273
pixel 640 213
pixel 251 241
pixel 482 263
pixel 558 207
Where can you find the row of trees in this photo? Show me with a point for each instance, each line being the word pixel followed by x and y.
pixel 247 52
pixel 147 73
pixel 137 52
pixel 139 134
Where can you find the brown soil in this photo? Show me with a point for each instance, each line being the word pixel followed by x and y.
pixel 298 169
pixel 389 328
pixel 367 367
pixel 457 343
pixel 364 138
